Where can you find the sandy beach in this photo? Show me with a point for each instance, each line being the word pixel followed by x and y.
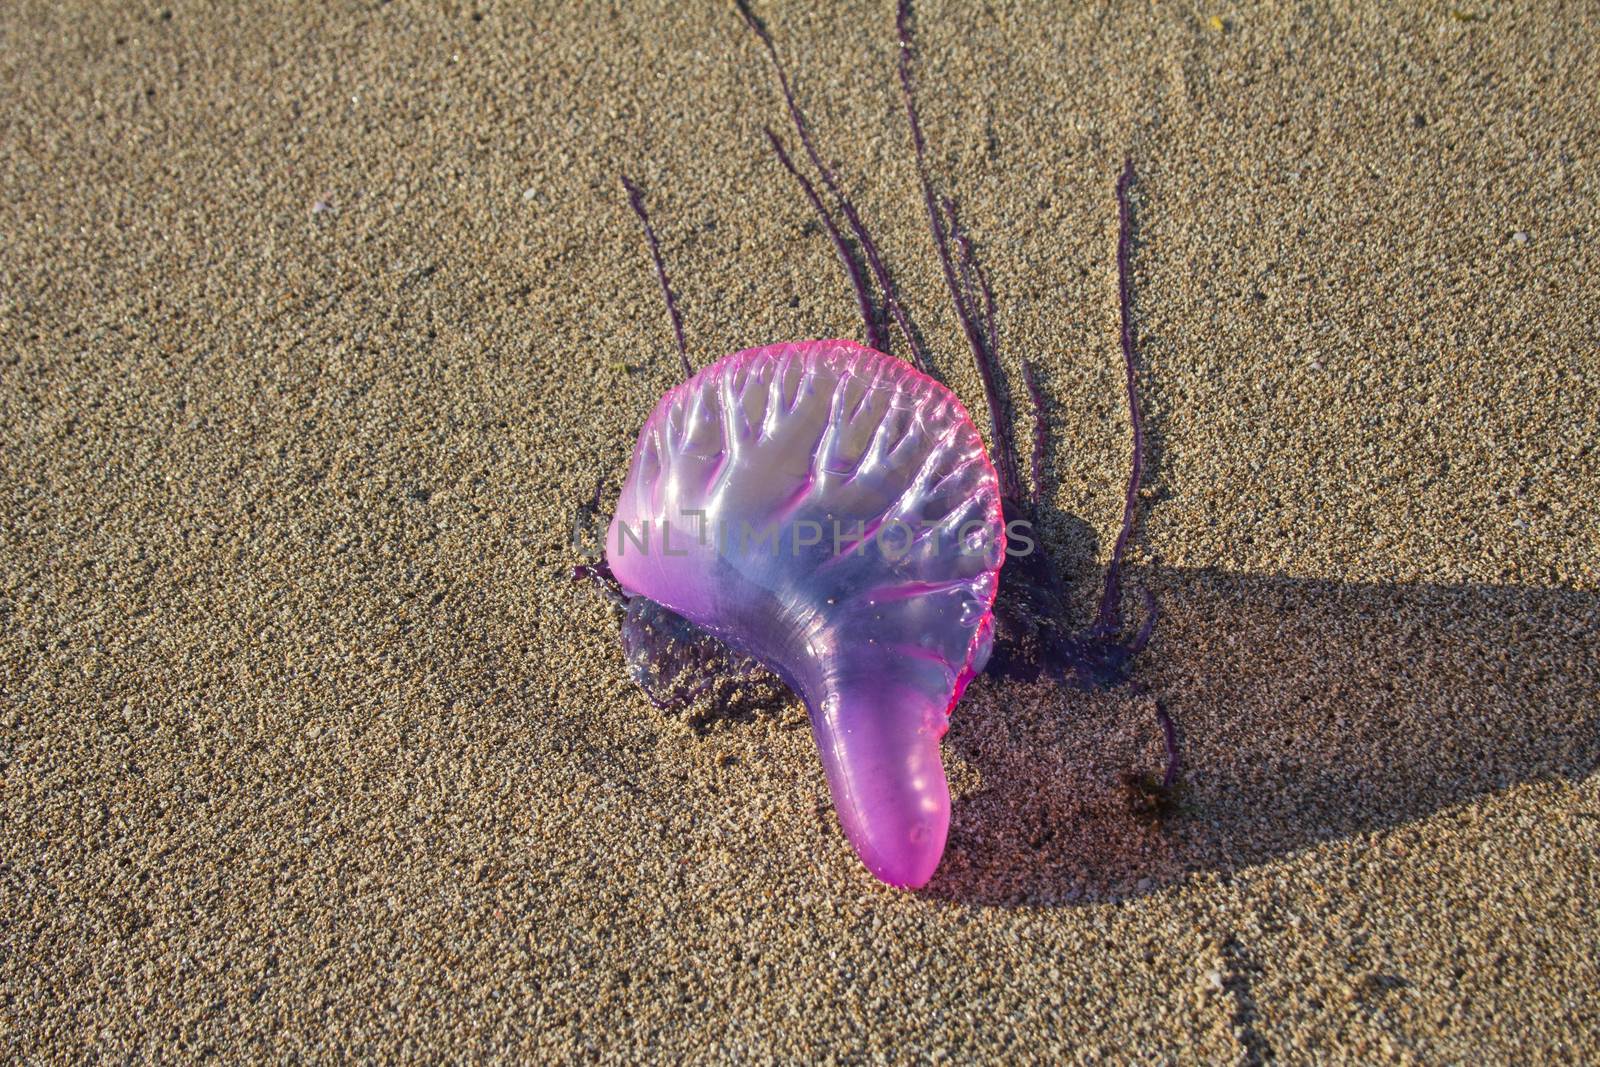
pixel 318 323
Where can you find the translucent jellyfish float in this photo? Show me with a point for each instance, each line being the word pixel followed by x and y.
pixel 828 511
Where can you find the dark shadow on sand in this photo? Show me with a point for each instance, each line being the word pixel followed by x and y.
pixel 1310 711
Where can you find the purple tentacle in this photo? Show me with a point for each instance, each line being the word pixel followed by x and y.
pixel 1169 741
pixel 963 256
pixel 976 284
pixel 1004 451
pixel 1041 430
pixel 636 201
pixel 599 575
pixel 1146 628
pixel 1109 619
pixel 880 273
pixel 875 338
pixel 680 695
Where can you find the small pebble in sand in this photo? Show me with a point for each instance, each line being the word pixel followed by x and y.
pixel 1520 237
pixel 321 207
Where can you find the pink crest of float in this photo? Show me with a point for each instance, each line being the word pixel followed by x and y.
pixel 830 511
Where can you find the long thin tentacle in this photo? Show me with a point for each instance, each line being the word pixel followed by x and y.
pixel 875 338
pixel 1004 451
pixel 1109 620
pixel 1169 742
pixel 1146 628
pixel 636 201
pixel 977 287
pixel 869 247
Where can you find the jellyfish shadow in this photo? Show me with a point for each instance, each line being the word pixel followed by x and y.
pixel 1310 711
